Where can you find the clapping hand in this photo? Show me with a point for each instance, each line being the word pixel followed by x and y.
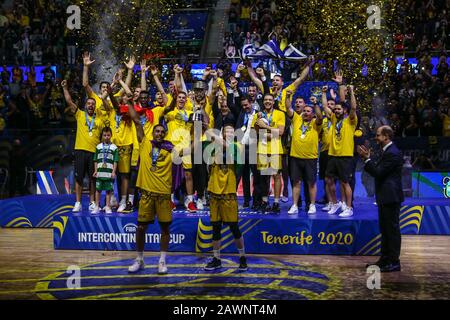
pixel 363 151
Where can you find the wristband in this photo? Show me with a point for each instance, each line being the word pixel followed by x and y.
pixel 263 78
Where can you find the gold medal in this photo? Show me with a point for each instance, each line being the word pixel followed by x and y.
pixel 104 165
pixel 90 133
pixel 153 168
pixel 224 168
pixel 244 128
pixel 302 136
pixel 338 137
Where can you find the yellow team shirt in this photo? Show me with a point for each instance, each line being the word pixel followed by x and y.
pixel 123 133
pixel 343 146
pixel 446 126
pixel 325 135
pixel 178 127
pixel 148 126
pixel 84 141
pixel 305 138
pixel 221 180
pixel 160 180
pixel 282 98
pixel 99 107
pixel 275 118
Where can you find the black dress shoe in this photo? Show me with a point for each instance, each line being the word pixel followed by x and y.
pixel 256 205
pixel 264 207
pixel 276 208
pixel 392 267
pixel 381 262
pixel 246 204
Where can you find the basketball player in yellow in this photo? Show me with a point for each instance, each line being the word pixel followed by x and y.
pixel 89 127
pixel 223 200
pixel 270 127
pixel 304 150
pixel 155 182
pixel 344 121
pixel 179 125
pixel 277 90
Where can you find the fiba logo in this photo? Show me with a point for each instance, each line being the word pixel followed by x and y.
pixel 446 189
pixel 129 228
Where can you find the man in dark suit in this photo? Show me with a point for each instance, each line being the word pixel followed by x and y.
pixel 389 196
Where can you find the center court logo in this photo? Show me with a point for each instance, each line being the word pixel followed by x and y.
pixel 129 228
pixel 266 279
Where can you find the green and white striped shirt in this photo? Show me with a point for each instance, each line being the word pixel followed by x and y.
pixel 105 157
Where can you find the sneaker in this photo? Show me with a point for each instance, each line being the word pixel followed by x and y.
pixel 162 267
pixel 213 264
pixel 343 205
pixel 284 199
pixel 275 208
pixel 256 205
pixel 77 207
pixel 96 210
pixel 122 206
pixel 137 265
pixel 129 207
pixel 348 212
pixel 113 202
pixel 92 206
pixel 192 207
pixel 334 207
pixel 312 209
pixel 107 209
pixel 327 207
pixel 200 205
pixel 293 209
pixel 242 264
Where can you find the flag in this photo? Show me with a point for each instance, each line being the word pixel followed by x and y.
pixel 271 50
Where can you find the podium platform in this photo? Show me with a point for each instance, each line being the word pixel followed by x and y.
pixel 192 232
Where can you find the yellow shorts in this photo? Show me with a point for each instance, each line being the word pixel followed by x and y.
pixel 124 159
pixel 223 207
pixel 266 161
pixel 154 204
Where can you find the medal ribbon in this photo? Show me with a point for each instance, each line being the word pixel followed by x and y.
pixel 339 127
pixel 90 125
pixel 118 120
pixel 268 119
pixel 155 155
pixel 305 128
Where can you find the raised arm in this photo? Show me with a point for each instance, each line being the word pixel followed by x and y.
pixel 328 111
pixel 254 77
pixel 73 107
pixel 352 102
pixel 304 73
pixel 179 81
pixel 144 69
pixel 137 122
pixel 338 78
pixel 317 111
pixel 289 110
pixel 86 64
pixel 158 84
pixel 130 66
pixel 215 87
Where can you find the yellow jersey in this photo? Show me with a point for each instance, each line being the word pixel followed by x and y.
pixel 88 139
pixel 148 126
pixel 123 132
pixel 282 98
pixel 342 137
pixel 274 146
pixel 179 127
pixel 158 180
pixel 446 126
pixel 305 138
pixel 325 135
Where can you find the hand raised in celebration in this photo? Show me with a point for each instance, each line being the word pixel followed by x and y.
pixel 130 64
pixel 87 59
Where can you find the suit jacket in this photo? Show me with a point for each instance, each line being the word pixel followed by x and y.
pixel 387 172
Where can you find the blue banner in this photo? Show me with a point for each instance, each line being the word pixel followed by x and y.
pixel 185 28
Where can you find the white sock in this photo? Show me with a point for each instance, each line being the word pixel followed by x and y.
pixel 131 198
pixel 124 199
pixel 241 252
pixel 190 198
pixel 265 199
pixel 163 256
pixel 140 255
pixel 172 197
pixel 216 254
pixel 78 202
pixel 276 200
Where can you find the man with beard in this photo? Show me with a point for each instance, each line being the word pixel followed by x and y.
pixel 270 126
pixel 304 150
pixel 340 153
pixel 89 126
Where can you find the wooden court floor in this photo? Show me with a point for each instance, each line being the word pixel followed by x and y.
pixel 27 256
